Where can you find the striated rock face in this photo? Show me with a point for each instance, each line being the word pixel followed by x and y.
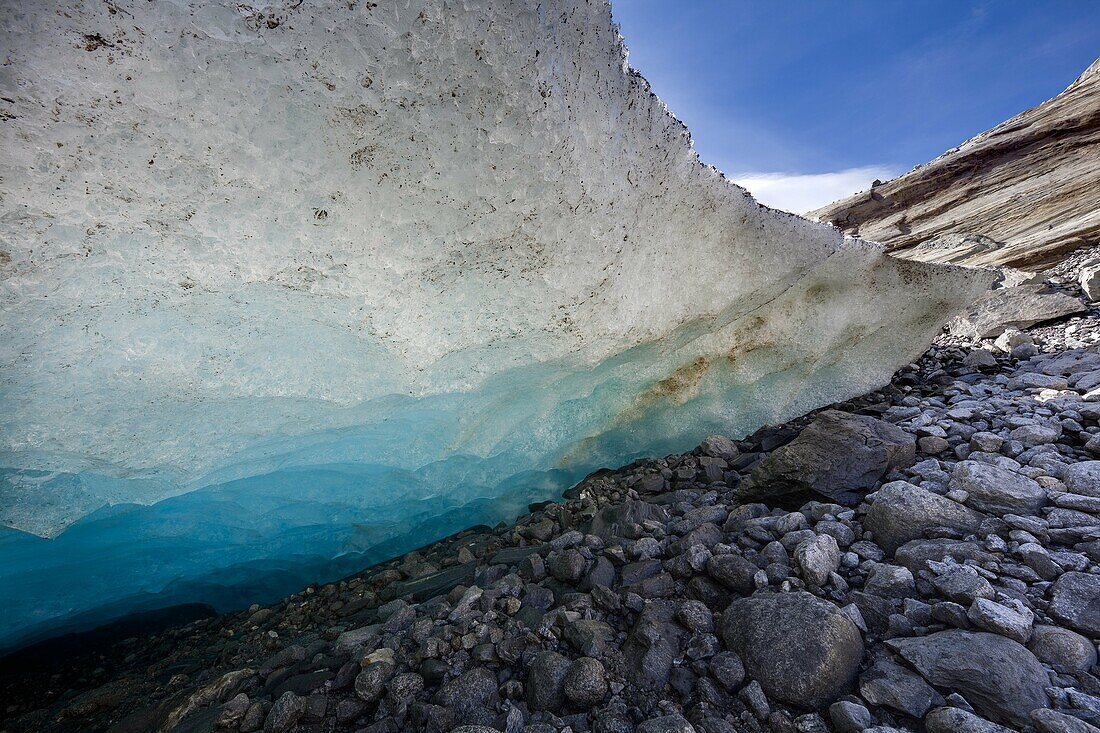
pixel 1022 194
pixel 340 279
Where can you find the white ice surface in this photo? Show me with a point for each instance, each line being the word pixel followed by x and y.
pixel 461 240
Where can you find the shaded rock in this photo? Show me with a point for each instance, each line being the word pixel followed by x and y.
pixel 915 554
pixel 850 717
pixel 371 681
pixel 801 649
pixel 469 696
pixel 839 455
pixel 1000 678
pixel 585 683
pixel 901 512
pixel 888 684
pixel 954 720
pixel 666 724
pixel 653 645
pixel 1052 721
pixel 1075 600
pixel 1064 650
pixel 728 669
pixel 285 714
pixel 734 572
pixel 546 681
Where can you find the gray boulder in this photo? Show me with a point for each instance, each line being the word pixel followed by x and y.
pixel 818 558
pixel 1075 600
pixel 1051 721
pixel 1082 478
pixel 1014 307
pixel 839 455
pixel 902 512
pixel 1064 650
pixel 546 681
pixel 801 649
pixel 653 644
pixel 954 720
pixel 999 677
pixel 997 490
pixel 888 684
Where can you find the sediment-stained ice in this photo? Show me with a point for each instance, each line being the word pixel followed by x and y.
pixel 290 286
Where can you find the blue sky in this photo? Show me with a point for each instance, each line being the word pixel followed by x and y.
pixel 806 101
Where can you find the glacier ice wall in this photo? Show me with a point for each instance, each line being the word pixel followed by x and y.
pixel 295 282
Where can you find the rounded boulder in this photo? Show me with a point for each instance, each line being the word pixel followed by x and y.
pixel 801 649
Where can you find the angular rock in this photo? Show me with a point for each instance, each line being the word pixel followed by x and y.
pixel 997 490
pixel 1000 619
pixel 839 455
pixel 888 684
pixel 653 645
pixel 1014 307
pixel 954 720
pixel 902 512
pixel 801 649
pixel 818 558
pixel 1001 678
pixel 1052 721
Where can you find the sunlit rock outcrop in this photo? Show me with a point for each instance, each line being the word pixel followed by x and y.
pixel 325 280
pixel 1022 194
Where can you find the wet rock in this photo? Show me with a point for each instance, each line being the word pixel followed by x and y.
pixel 839 455
pixel 1000 678
pixel 800 648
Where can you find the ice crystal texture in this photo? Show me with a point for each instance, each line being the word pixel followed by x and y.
pixel 291 287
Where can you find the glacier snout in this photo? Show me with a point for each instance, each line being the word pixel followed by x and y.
pixel 292 287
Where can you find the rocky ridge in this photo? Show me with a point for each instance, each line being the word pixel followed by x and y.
pixel 923 558
pixel 1022 194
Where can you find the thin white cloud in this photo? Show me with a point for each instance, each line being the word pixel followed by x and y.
pixel 800 193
